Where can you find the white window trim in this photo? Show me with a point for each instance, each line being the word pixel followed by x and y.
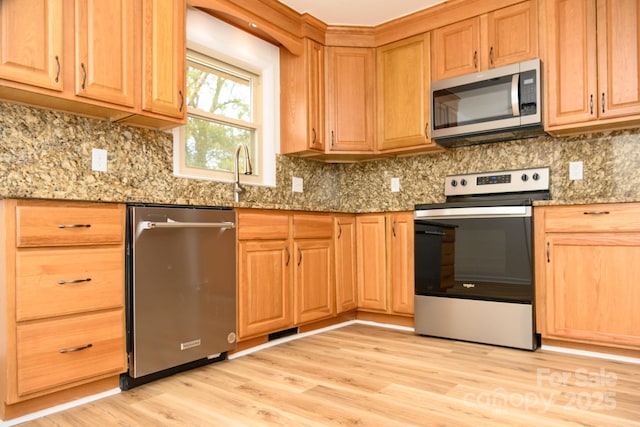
pixel 229 44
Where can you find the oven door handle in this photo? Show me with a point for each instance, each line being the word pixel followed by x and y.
pixel 430 233
pixel 475 212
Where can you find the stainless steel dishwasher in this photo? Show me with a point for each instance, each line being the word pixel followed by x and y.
pixel 181 289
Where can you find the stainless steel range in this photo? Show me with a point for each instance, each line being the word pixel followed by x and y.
pixel 474 259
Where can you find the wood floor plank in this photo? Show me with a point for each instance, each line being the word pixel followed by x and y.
pixel 362 375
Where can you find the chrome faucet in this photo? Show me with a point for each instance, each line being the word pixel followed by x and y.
pixel 248 170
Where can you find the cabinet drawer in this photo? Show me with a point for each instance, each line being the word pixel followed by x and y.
pixel 593 218
pixel 312 226
pixel 94 279
pixel 41 364
pixel 43 223
pixel 263 225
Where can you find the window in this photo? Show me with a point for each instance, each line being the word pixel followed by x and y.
pixel 221 114
pixel 232 87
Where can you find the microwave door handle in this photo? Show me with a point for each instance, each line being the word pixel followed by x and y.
pixel 515 104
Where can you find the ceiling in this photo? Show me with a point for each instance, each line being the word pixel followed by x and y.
pixel 365 13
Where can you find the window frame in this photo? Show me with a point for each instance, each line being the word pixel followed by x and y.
pixel 229 45
pixel 255 125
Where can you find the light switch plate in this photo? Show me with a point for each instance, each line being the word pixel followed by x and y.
pixel 395 185
pixel 98 160
pixel 297 185
pixel 575 170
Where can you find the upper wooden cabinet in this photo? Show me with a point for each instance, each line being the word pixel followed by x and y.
pixel 350 99
pixel 592 66
pixel 402 94
pixel 31 42
pixel 86 56
pixel 302 85
pixel 105 41
pixel 163 57
pixel 501 37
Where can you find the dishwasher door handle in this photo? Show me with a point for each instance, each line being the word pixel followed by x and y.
pixel 149 225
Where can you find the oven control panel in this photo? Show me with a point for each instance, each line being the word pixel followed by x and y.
pixel 534 179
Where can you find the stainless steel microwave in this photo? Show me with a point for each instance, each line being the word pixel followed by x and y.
pixel 500 104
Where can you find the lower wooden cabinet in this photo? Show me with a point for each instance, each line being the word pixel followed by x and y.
pixel 314 287
pixel 344 232
pixel 385 262
pixel 587 270
pixel 296 268
pixel 285 270
pixel 62 305
pixel 264 286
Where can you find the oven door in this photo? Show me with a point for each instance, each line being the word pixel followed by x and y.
pixel 482 253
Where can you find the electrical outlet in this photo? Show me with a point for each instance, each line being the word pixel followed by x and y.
pixel 297 185
pixel 395 185
pixel 575 170
pixel 98 160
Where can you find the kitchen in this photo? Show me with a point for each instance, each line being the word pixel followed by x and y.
pixel 48 159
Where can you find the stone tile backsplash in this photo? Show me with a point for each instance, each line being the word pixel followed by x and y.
pixel 46 154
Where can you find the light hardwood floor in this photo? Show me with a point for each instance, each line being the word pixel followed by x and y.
pixel 369 376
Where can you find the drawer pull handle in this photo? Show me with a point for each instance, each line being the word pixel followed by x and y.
pixel 74 225
pixel 69 282
pixel 597 213
pixel 74 349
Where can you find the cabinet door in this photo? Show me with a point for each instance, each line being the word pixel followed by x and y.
pixel 302 118
pixel 315 95
pixel 350 98
pixel 513 34
pixel 371 262
pixel 31 42
pixel 313 282
pixel 618 58
pixel 592 290
pixel 402 90
pixel 456 49
pixel 164 57
pixel 105 41
pixel 264 292
pixel 401 262
pixel 571 79
pixel 345 263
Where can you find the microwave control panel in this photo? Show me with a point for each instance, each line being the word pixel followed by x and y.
pixel 528 93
